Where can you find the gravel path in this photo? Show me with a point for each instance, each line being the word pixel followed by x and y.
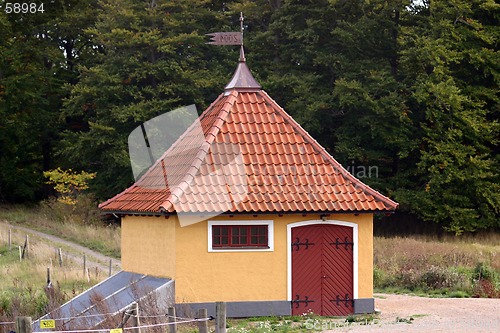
pixel 461 315
pixel 71 249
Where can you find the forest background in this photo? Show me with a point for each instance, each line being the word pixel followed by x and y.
pixel 408 87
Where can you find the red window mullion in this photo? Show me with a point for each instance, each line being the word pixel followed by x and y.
pixel 240 233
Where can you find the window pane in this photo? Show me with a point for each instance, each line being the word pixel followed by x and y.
pixel 255 231
pixel 235 240
pixel 240 236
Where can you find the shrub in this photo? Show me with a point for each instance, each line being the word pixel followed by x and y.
pixel 485 281
pixel 439 278
pixel 486 288
pixel 379 278
pixel 484 272
pixel 68 183
pixel 408 279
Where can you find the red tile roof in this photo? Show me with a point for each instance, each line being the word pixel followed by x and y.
pixel 252 158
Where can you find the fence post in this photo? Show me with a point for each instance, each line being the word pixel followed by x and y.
pixel 202 325
pixel 26 248
pixel 84 264
pixel 110 266
pixel 59 253
pixel 48 277
pixel 23 325
pixel 135 319
pixel 172 328
pixel 132 312
pixel 220 317
pixel 20 253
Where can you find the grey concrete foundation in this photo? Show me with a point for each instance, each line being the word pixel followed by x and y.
pixel 237 309
pixel 364 305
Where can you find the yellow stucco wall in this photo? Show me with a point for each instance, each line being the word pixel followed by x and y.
pixel 365 254
pixel 148 245
pixel 202 276
pixel 231 276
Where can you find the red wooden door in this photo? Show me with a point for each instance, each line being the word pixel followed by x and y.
pixel 322 270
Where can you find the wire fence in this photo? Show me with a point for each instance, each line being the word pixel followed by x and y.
pixel 176 322
pixel 25 324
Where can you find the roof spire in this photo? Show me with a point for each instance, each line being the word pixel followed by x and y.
pixel 242 50
pixel 243 79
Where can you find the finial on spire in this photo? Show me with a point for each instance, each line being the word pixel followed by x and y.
pixel 241 26
pixel 242 50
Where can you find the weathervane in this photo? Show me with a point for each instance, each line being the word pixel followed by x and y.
pixel 228 38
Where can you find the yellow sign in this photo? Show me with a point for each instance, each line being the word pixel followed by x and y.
pixel 47 323
pixel 116 330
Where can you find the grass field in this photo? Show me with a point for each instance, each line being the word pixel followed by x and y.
pixel 452 266
pixel 22 283
pixel 77 224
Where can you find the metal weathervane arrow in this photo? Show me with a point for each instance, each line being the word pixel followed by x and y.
pixel 228 38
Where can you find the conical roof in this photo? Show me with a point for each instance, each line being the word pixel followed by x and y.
pixel 243 79
pixel 255 158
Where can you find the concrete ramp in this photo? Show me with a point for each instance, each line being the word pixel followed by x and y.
pixel 109 299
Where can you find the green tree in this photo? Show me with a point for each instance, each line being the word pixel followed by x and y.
pixel 333 65
pixel 37 56
pixel 154 60
pixel 451 62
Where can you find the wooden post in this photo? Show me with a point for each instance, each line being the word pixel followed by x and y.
pixel 84 265
pixel 48 277
pixel 172 328
pixel 220 317
pixel 26 246
pixel 202 325
pixel 59 253
pixel 20 253
pixel 23 325
pixel 132 312
pixel 88 275
pixel 135 319
pixel 10 239
pixel 110 266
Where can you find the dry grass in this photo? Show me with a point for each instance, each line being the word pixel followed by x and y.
pixel 396 253
pixel 448 265
pixel 23 283
pixel 78 224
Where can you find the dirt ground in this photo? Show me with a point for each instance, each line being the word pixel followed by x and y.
pixel 422 314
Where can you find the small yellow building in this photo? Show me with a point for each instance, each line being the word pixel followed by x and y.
pixel 258 215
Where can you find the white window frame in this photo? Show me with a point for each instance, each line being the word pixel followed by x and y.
pixel 270 235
